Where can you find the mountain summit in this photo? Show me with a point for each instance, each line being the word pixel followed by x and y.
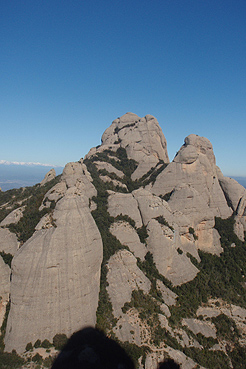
pixel 152 252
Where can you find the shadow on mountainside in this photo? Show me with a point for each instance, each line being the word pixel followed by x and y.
pixel 90 348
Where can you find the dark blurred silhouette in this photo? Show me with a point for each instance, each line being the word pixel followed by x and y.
pixel 168 364
pixel 92 349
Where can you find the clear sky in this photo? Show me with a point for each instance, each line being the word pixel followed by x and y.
pixel 69 68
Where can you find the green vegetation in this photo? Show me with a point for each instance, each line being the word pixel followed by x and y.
pixel 11 199
pixel 46 344
pixel 59 341
pixel 225 229
pixel 29 346
pixel 135 352
pixel 142 234
pixel 154 174
pixel 37 358
pixel 37 343
pixel 226 328
pixel 206 342
pixel 127 166
pixel 3 327
pixel 151 175
pixel 238 356
pixel 48 361
pixel 126 218
pixel 192 231
pixel 105 318
pixel 10 360
pixel 163 221
pixel 149 308
pixel 117 129
pixel 167 196
pixel 208 358
pixel 7 258
pixel 220 276
pixel 32 199
pixel 149 268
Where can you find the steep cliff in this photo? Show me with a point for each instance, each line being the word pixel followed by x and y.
pixel 152 252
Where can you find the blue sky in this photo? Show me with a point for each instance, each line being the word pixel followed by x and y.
pixel 69 68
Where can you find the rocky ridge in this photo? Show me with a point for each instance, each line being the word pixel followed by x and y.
pixel 123 239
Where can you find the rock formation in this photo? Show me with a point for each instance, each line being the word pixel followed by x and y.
pixel 50 292
pixel 141 137
pixel 48 177
pixel 134 243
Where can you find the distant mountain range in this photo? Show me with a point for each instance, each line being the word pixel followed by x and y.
pixel 16 176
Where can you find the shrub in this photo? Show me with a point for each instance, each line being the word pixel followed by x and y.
pixel 142 234
pixel 163 221
pixel 37 344
pixel 48 361
pixel 192 231
pixel 7 258
pixel 167 196
pixel 37 358
pixel 59 341
pixel 46 344
pixel 29 346
pixel 10 360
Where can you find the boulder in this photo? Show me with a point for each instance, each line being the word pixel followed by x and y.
pixel 13 217
pixel 125 204
pixel 128 236
pixel 8 241
pixel 207 329
pixel 168 296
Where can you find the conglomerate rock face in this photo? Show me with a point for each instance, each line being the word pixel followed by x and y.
pixel 50 292
pixel 141 137
pixel 126 240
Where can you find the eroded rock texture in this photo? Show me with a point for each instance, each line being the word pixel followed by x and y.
pixel 154 218
pixel 50 292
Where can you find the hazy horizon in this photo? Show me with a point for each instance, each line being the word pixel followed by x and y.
pixel 68 69
pixel 16 176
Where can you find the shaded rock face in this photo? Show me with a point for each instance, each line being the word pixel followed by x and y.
pixel 118 242
pixel 236 196
pixel 4 288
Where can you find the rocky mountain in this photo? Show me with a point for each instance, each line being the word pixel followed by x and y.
pixel 152 252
